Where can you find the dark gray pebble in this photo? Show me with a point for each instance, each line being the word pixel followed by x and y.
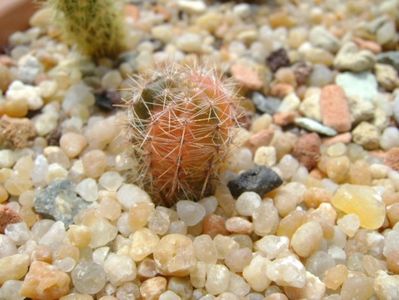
pixel 390 58
pixel 264 104
pixel 59 201
pixel 260 180
pixel 278 59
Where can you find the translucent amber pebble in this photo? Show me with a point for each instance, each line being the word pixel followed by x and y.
pixel 363 201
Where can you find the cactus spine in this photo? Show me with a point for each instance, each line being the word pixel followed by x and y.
pixel 180 123
pixel 95 26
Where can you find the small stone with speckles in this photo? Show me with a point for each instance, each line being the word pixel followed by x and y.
pixel 60 202
pixel 278 59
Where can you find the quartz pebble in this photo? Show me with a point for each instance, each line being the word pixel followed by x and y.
pixel 88 277
pixel 87 189
pixel 189 212
pixel 129 194
pixel 357 286
pixel 44 281
pixel 272 246
pixel 119 269
pixel 389 138
pixel 239 225
pixel 175 255
pixel 217 279
pixel 152 288
pixel 287 271
pixel 265 219
pixel 247 203
pixel 363 201
pixel 349 224
pixel 314 288
pixel 255 273
pixel 350 58
pixel 307 238
pixel 144 242
pixel 72 144
pixel 13 267
pixel 265 156
pixel 385 286
pixel 102 231
pixel 111 181
pixel 94 163
pixel 205 249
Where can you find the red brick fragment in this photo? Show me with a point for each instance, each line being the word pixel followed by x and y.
pixel 246 76
pixel 307 150
pixel 261 138
pixel 368 45
pixel 7 216
pixel 284 118
pixel 344 138
pixel 334 108
pixel 214 225
pixel 392 158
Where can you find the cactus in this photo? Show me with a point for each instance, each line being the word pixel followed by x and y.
pixel 180 122
pixel 95 26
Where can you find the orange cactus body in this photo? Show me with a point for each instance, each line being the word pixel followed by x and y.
pixel 182 133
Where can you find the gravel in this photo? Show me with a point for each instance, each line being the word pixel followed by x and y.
pixel 304 206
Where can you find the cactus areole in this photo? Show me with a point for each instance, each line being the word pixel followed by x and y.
pixel 180 123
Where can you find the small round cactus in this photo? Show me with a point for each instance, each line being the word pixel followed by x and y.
pixel 95 26
pixel 180 124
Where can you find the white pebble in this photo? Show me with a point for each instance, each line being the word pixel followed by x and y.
pixel 389 138
pixel 189 42
pixel 130 194
pixel 88 189
pixel 18 232
pixel 111 181
pixel 217 280
pixel 111 80
pixel 265 156
pixel 7 158
pixel 191 213
pixel 210 203
pixel 19 91
pixel 247 203
pixel 287 271
pixel 288 166
pixel 119 269
pixel 271 245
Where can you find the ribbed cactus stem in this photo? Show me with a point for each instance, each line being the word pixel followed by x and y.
pixel 180 125
pixel 95 26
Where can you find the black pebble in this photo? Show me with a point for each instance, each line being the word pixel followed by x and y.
pixel 278 59
pixel 260 180
pixel 107 100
